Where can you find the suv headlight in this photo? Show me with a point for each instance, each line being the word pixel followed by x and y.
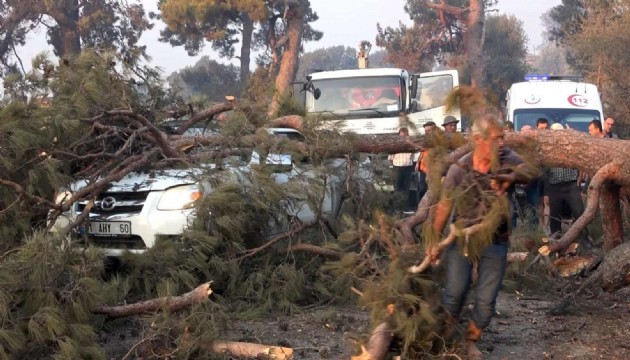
pixel 62 196
pixel 180 197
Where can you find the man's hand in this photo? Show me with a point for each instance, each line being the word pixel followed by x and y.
pixel 433 253
pixel 502 181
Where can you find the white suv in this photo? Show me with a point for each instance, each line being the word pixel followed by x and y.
pixel 132 212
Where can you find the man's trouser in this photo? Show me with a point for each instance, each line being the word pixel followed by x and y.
pixel 567 193
pixel 491 268
pixel 403 178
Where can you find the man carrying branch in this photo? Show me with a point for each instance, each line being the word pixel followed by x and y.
pixel 475 201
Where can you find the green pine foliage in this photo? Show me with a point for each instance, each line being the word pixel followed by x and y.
pixel 47 296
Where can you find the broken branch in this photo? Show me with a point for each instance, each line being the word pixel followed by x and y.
pixel 167 303
pixel 249 350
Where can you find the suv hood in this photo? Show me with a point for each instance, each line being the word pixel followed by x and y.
pixel 150 181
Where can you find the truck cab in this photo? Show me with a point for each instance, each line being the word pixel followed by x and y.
pixel 371 101
pixel 559 99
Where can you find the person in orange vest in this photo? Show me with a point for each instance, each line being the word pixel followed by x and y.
pixel 421 163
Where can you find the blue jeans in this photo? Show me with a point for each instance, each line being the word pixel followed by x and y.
pixel 491 269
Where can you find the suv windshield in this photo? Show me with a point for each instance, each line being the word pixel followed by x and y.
pixel 576 119
pixel 345 94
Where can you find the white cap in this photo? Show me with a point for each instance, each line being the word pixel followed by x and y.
pixel 557 126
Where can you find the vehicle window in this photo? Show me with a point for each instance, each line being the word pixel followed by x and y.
pixel 296 136
pixel 433 90
pixel 573 118
pixel 382 92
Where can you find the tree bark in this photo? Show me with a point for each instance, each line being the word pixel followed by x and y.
pixel 246 49
pixel 168 303
pixel 610 210
pixel 614 272
pixel 290 56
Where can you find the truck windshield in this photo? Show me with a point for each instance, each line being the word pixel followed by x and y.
pixel 433 90
pixel 345 94
pixel 576 119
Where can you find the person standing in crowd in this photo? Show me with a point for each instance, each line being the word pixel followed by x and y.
pixel 595 128
pixel 450 124
pixel 538 188
pixel 421 164
pixel 509 126
pixel 542 123
pixel 404 166
pixel 609 123
pixel 564 191
pixel 472 186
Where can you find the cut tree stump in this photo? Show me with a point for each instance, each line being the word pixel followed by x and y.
pixel 167 303
pixel 377 345
pixel 249 350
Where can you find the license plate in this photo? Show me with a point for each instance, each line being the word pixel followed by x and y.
pixel 109 228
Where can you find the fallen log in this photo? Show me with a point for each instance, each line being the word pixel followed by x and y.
pixel 167 303
pixel 248 350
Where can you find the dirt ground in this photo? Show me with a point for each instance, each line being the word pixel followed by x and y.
pixel 592 329
pixel 597 328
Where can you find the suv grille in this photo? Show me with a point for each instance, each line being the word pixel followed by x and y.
pixel 117 203
pixel 131 242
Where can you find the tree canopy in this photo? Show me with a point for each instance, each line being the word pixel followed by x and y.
pixel 450 32
pixel 73 25
pixel 207 80
pixel 256 22
pixel 593 34
pixel 504 53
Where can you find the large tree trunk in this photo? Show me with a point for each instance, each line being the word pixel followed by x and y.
pixel 275 51
pixel 66 14
pixel 246 49
pixel 290 56
pixel 473 41
pixel 560 148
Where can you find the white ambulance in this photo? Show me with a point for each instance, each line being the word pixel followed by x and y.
pixel 559 99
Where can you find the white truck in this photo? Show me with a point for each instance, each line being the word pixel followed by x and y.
pixel 559 99
pixel 370 101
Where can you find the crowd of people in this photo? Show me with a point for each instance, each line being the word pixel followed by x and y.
pixel 556 189
pixel 408 166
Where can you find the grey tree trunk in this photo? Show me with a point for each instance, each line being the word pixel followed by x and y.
pixel 246 49
pixel 290 56
pixel 473 41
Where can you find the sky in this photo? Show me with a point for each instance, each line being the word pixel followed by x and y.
pixel 344 22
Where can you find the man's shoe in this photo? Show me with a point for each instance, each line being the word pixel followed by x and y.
pixel 473 334
pixel 472 351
